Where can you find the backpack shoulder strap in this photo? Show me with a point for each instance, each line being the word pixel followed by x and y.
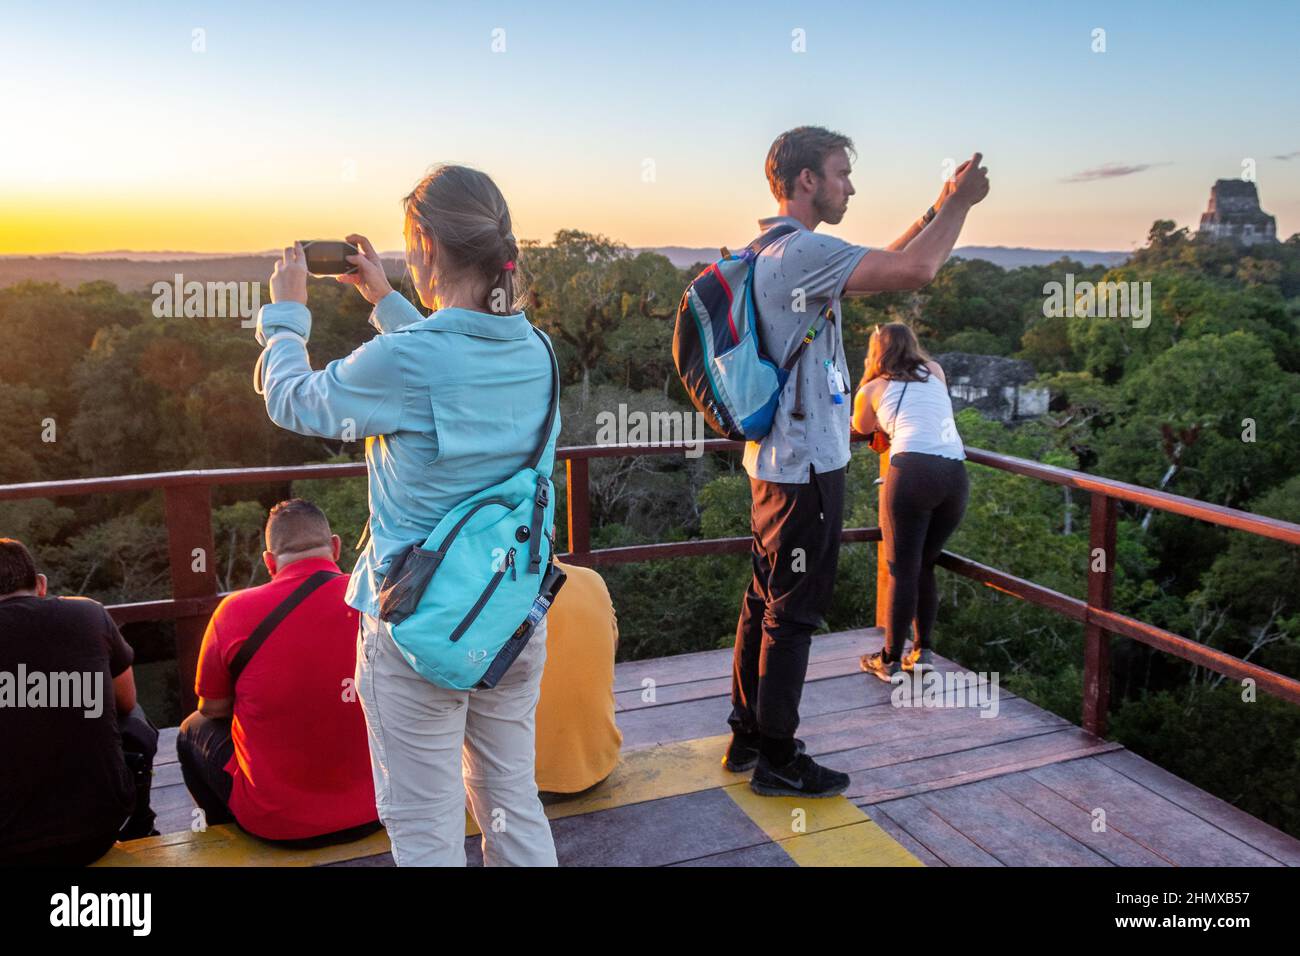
pixel 542 494
pixel 757 246
pixel 272 621
pixel 769 237
pixel 813 331
pixel 555 401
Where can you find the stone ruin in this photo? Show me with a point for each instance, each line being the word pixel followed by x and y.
pixel 996 386
pixel 1234 214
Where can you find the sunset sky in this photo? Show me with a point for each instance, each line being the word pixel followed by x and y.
pixel 313 120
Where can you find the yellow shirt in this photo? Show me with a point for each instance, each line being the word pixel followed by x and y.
pixel 577 739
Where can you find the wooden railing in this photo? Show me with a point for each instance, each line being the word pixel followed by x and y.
pixel 187 497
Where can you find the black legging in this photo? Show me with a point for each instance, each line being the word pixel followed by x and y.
pixel 925 498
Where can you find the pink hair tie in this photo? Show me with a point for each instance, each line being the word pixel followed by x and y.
pixel 509 266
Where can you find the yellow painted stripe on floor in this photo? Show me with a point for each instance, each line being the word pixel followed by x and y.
pixel 782 818
pixel 652 773
pixel 835 832
pixel 862 844
pixel 668 770
pixel 822 831
pixel 227 845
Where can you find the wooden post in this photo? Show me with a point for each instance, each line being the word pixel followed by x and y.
pixel 882 566
pixel 1101 589
pixel 579 506
pixel 192 555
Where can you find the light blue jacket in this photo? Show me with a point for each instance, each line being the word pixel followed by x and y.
pixel 448 405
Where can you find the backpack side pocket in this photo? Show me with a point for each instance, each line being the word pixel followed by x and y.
pixel 404 583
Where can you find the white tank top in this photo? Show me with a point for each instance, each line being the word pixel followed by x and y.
pixel 924 422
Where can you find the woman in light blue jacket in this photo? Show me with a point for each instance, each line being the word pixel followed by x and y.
pixel 448 405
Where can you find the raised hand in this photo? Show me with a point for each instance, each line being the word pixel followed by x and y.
pixel 949 186
pixel 370 279
pixel 972 182
pixel 289 278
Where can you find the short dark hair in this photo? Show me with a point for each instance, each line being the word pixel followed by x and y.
pixel 296 525
pixel 795 150
pixel 17 569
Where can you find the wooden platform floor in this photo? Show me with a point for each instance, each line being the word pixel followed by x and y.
pixel 938 786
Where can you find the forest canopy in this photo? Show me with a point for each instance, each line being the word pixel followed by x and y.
pixel 1203 402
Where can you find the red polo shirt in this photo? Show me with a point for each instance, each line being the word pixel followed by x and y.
pixel 301 765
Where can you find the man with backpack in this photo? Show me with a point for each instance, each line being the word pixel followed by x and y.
pixel 797 468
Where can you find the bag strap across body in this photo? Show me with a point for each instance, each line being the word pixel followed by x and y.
pixel 542 497
pixel 893 422
pixel 273 620
pixel 819 323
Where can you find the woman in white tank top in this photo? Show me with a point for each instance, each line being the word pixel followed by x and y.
pixel 905 395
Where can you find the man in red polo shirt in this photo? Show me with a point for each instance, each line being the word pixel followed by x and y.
pixel 278 743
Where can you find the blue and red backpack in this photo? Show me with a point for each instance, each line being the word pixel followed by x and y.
pixel 723 366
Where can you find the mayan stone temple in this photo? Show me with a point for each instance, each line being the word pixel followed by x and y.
pixel 1234 214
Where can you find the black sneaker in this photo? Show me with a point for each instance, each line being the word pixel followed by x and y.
pixel 801 777
pixel 742 756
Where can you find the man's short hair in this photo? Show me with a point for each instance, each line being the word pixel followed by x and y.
pixel 296 525
pixel 805 147
pixel 17 569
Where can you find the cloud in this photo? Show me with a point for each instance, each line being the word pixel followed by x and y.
pixel 1291 155
pixel 1109 171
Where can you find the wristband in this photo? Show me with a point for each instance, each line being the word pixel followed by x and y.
pixel 929 216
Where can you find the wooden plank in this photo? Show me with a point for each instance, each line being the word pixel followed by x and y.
pixel 1148 818
pixel 700 665
pixel 1112 844
pixel 1006 829
pixel 912 845
pixel 834 662
pixel 174 808
pixel 656 832
pixel 878 784
pixel 783 818
pixel 167 775
pixel 654 773
pixel 1279 845
pixel 697 718
pixel 721 686
pixel 828 831
pixel 166 746
pixel 937 752
pixel 764 855
pixel 227 845
pixel 863 844
pixel 885 735
pixel 936 835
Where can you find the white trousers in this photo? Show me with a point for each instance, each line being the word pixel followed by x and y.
pixel 429 744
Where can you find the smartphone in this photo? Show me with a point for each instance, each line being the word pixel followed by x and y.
pixel 325 257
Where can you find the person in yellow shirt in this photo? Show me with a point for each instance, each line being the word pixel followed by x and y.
pixel 577 739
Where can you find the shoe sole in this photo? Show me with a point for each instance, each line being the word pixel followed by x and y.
pixel 768 790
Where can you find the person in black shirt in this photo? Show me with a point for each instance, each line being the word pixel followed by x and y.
pixel 76 749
